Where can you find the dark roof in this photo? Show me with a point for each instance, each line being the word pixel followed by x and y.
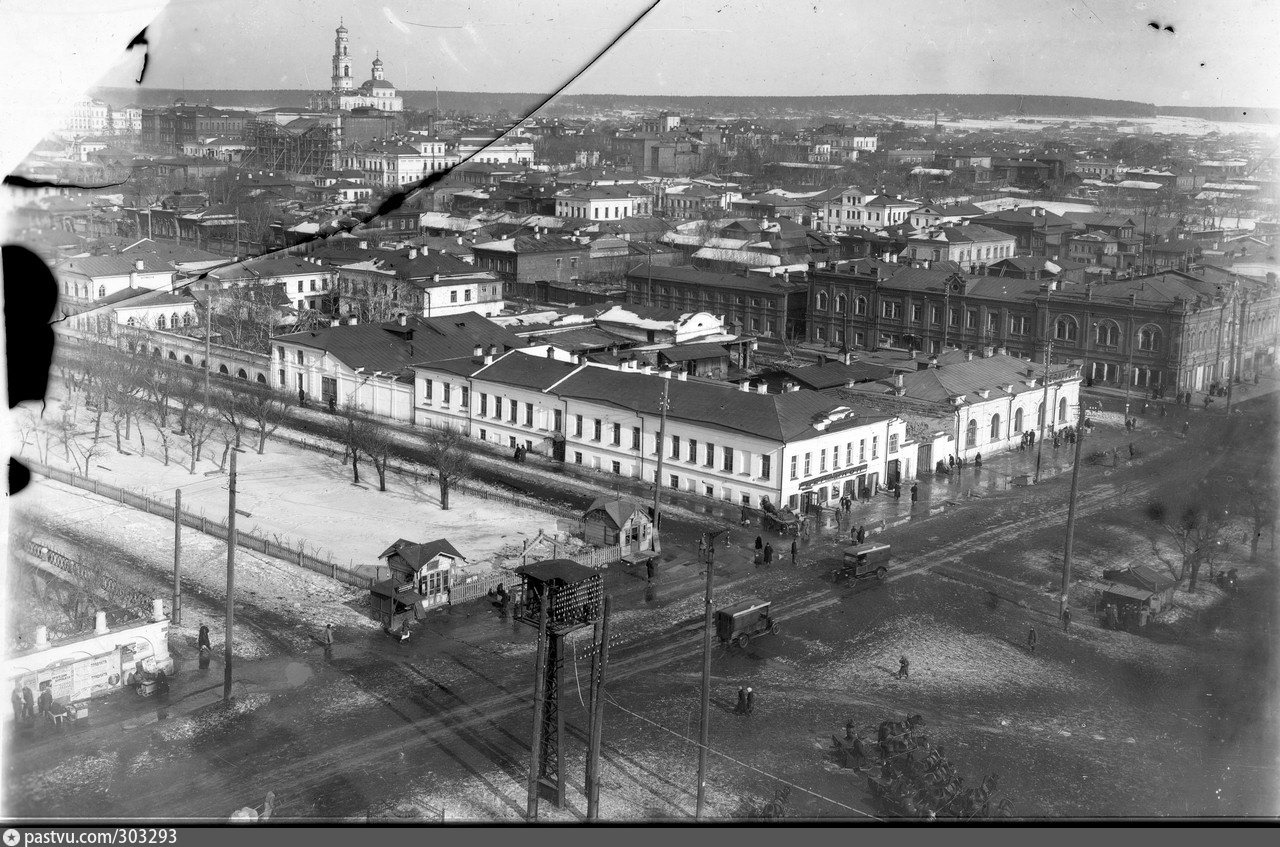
pixel 777 417
pixel 832 374
pixel 551 570
pixel 617 510
pixel 96 266
pixel 399 591
pixel 753 282
pixel 525 370
pixel 688 352
pixel 417 555
pixel 1141 576
pixel 385 347
pixel 964 377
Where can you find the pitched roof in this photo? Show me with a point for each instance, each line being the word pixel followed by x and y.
pixel 777 417
pixel 690 352
pixel 964 377
pixel 525 370
pixel 386 347
pixel 619 511
pixel 96 266
pixel 752 282
pixel 417 555
pixel 832 374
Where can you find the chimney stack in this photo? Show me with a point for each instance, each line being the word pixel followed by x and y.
pixel 551 352
pixel 477 351
pixel 933 361
pixel 138 264
pixel 404 320
pixel 413 252
pixel 762 387
pixel 968 356
pixel 745 387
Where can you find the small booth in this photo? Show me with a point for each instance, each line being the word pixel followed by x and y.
pixel 1159 587
pixel 395 602
pixel 1124 606
pixel 613 521
pixel 427 569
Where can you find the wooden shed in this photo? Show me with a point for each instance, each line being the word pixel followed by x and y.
pixel 612 520
pixel 1145 579
pixel 426 568
pixel 392 602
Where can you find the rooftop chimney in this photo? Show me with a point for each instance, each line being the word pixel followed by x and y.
pixel 413 252
pixel 493 349
pixel 364 245
pixel 404 320
pixel 899 386
pixel 762 387
pixel 477 351
pixel 551 352
pixel 745 387
pixel 968 356
pixel 352 321
pixel 138 264
pixel 933 361
pixel 335 322
pixel 1000 351
pixel 157 609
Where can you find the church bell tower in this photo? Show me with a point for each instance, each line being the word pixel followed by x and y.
pixel 342 80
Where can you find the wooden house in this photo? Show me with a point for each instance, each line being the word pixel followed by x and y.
pixel 613 521
pixel 1159 587
pixel 426 568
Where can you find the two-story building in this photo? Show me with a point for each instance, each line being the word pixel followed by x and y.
pixel 306 280
pixel 413 280
pixel 772 306
pixel 968 244
pixel 87 280
pixel 603 203
pixel 720 441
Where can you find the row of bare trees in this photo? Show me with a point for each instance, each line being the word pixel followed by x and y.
pixel 446 450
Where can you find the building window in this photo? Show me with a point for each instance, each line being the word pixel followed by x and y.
pixel 860 305
pixel 711 455
pixel 822 461
pixel 891 309
pixel 466 397
pixel 728 459
pixel 971 319
pixel 515 414
pixel 993 322
pixel 766 467
pixel 875 446
pixel 577 427
pixel 862 450
pixel 995 428
pixel 283 381
pixel 819 333
pixel 617 435
pixel 300 359
pixel 822 301
pixel 1018 325
pixel 841 304
pixel 848 453
pixel 893 443
pixel 453 296
pixel 599 429
pixel 577 458
pixel 935 315
pixel 617 467
pixel 1149 339
pixel 528 415
pixel 1065 328
pixel 808 471
pixel 675 447
pixel 917 313
pixel 971 434
pixel 635 438
pixel 794 470
pixel 675 481
pixel 484 405
pixel 693 450
pixel 558 420
pixel 446 391
pixel 953 319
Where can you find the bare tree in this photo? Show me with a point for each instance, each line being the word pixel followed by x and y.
pixel 1260 501
pixel 351 440
pixel 448 454
pixel 162 432
pixel 200 428
pixel 374 441
pixel 266 410
pixel 232 410
pixel 1195 520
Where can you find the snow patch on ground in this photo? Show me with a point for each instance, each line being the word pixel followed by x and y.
pixel 942 658
pixel 91 772
pixel 213 719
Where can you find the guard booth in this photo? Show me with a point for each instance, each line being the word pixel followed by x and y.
pixel 573 597
pixel 611 521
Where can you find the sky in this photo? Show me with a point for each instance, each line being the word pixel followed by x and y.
pixel 1216 54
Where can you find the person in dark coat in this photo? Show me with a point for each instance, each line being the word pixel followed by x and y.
pixel 1132 452
pixel 1066 620
pixel 751 701
pixel 951 461
pixel 1186 425
pixel 903 667
pixel 46 702
pixel 1164 410
pixel 862 534
pixel 328 635
pixel 16 697
pixel 202 642
pixel 795 549
pixel 977 460
pixel 915 492
pixel 759 543
pixel 897 491
pixel 1031 641
pixel 853 534
pixel 333 405
pixel 768 554
pixel 741 708
pixel 28 703
pixel 702 549
pixel 711 552
pixel 649 568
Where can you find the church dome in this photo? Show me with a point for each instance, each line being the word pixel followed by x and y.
pixel 379 83
pixel 377 63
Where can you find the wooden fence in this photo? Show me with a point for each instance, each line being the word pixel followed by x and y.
pixel 244 538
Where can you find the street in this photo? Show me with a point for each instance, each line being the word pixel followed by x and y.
pixel 1176 717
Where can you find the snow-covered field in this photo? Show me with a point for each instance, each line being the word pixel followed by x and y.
pixel 301 497
pixel 1169 124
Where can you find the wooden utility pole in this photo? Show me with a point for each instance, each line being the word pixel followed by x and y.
pixel 1044 406
pixel 704 733
pixel 1071 511
pixel 539 689
pixel 177 558
pixel 231 577
pixel 599 665
pixel 657 482
pixel 1237 343
pixel 208 346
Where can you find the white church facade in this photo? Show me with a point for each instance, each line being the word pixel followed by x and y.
pixel 377 92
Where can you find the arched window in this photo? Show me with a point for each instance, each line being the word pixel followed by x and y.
pixel 1149 338
pixel 995 427
pixel 860 305
pixel 822 301
pixel 1108 334
pixel 173 320
pixel 222 369
pixel 160 322
pixel 1040 414
pixel 130 322
pixel 1062 410
pixel 841 304
pixel 173 356
pixel 186 319
pixel 1064 329
pixel 971 433
pixel 240 373
pixel 102 291
pixel 262 379
pixel 186 360
pixel 1017 421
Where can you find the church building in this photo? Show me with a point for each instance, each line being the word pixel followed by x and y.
pixel 374 93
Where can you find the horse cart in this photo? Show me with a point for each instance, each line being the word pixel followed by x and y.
pixel 739 623
pixel 783 523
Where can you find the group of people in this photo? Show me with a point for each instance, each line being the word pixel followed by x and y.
pixel 746 701
pixel 764 552
pixel 1028 440
pixel 520 453
pixel 1130 424
pixel 26 707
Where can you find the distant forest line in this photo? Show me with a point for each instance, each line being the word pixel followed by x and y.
pixel 969 105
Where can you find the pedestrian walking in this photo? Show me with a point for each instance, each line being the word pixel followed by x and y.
pixel 1255 377
pixel 741 708
pixel 1164 410
pixel 759 543
pixel 1186 425
pixel 795 549
pixel 951 461
pixel 46 701
pixel 1031 641
pixel 1056 441
pixel 648 569
pixel 751 701
pixel 1132 452
pixel 702 549
pixel 862 534
pixel 28 703
pixel 202 641
pixel 1207 401
pixel 903 667
pixel 915 492
pixel 977 460
pixel 16 697
pixel 302 398
pixel 768 555
pixel 1031 438
pixel 328 635
pixel 1066 620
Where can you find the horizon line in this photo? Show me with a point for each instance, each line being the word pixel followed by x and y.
pixel 1243 109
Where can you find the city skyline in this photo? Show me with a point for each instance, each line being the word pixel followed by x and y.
pixel 700 49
